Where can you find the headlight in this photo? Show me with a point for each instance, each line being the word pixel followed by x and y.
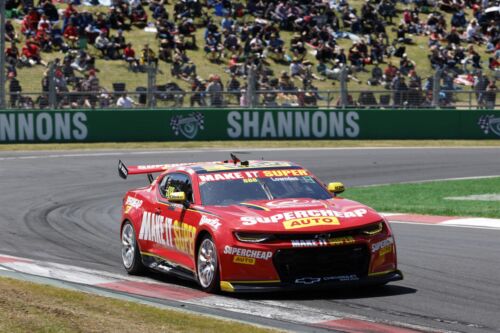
pixel 373 229
pixel 248 237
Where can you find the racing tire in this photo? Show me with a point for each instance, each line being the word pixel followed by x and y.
pixel 131 255
pixel 207 265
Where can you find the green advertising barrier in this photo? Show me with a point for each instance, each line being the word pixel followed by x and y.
pixel 242 124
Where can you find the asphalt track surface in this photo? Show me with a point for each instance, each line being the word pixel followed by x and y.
pixel 65 207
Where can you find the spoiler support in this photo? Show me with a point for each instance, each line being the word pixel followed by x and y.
pixel 122 170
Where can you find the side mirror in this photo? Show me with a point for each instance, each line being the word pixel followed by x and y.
pixel 177 197
pixel 336 187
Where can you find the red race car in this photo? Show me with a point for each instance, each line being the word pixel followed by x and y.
pixel 241 226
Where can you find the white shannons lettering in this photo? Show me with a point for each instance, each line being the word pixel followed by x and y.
pixel 256 254
pixel 133 202
pixel 251 220
pixel 43 126
pixel 214 223
pixel 380 245
pixel 296 124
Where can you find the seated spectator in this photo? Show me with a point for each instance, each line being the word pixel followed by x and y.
pixel 139 17
pixel 129 56
pixel 213 48
pixel 103 44
pixel 10 32
pixel 117 19
pixel 83 62
pixel 406 64
pixel 298 50
pixel 166 48
pixel 50 10
pixel 125 102
pixel 31 54
pixel 71 35
pixel 472 57
pixel 473 32
pixel 12 54
pixel 148 57
pixel 231 42
pixel 458 19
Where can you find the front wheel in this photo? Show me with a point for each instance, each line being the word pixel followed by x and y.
pixel 208 266
pixel 131 255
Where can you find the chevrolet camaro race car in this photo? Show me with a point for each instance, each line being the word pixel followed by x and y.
pixel 252 226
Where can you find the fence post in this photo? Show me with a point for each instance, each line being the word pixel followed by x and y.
pixel 151 100
pixel 52 86
pixel 436 87
pixel 344 93
pixel 251 91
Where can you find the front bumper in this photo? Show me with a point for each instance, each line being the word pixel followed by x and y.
pixel 309 283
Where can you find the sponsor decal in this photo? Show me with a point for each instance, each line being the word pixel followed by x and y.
pixel 293 202
pixel 384 246
pixel 213 222
pixel 43 126
pixel 303 214
pixel 308 280
pixel 351 277
pixel 488 123
pixel 188 126
pixel 252 175
pixel 285 179
pixel 293 124
pixel 243 260
pixel 323 242
pixel 340 278
pixel 133 202
pixel 310 222
pixel 167 232
pixel 247 253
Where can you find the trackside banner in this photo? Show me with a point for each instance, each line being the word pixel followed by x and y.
pixel 239 124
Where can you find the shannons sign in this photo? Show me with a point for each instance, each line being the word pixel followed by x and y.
pixel 43 126
pixel 292 124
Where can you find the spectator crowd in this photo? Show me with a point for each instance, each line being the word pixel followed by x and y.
pixel 247 38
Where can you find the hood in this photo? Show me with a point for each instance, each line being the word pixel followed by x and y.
pixel 296 215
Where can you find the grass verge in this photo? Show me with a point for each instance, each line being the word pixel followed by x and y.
pixel 253 144
pixel 429 198
pixel 28 307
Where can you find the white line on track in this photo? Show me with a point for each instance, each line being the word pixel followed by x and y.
pixel 200 150
pixel 454 225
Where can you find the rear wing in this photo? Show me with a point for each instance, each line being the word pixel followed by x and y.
pixel 125 171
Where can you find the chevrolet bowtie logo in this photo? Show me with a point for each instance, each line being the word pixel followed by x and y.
pixel 308 280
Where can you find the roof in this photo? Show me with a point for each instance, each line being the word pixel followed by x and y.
pixel 205 167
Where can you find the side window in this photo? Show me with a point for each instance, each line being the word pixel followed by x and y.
pixel 177 182
pixel 163 186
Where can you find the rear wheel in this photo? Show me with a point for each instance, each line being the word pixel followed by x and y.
pixel 131 255
pixel 207 265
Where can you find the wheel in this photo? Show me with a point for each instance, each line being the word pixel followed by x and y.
pixel 208 265
pixel 131 255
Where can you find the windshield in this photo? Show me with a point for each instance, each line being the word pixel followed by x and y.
pixel 230 192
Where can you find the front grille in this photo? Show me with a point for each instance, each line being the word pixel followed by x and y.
pixel 322 264
pixel 332 234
